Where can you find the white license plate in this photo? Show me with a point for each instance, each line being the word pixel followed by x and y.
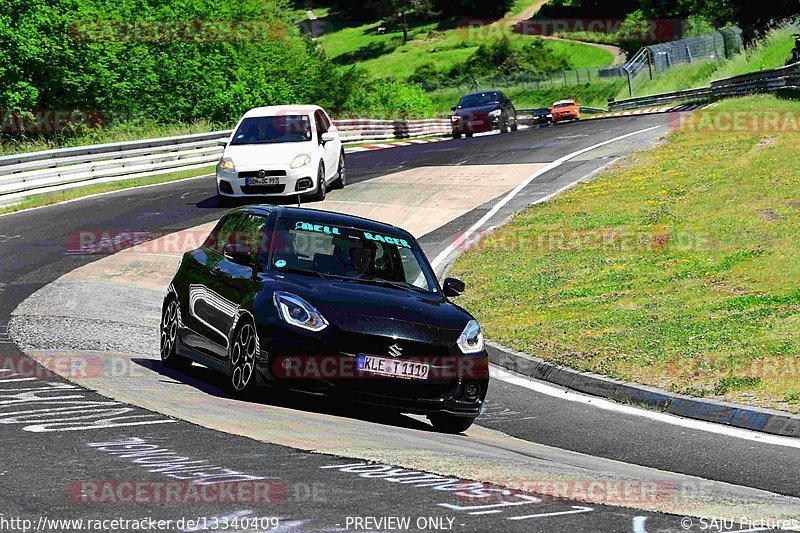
pixel 395 368
pixel 263 181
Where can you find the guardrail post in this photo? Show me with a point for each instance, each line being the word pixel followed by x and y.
pixel 650 64
pixel 630 82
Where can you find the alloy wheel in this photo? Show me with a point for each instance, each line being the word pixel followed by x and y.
pixel 243 356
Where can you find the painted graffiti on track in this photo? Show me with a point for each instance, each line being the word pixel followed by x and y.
pixel 41 406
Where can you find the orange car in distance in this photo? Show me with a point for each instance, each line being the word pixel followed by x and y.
pixel 566 110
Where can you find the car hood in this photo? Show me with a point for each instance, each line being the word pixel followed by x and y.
pixel 482 110
pixel 264 155
pixel 365 308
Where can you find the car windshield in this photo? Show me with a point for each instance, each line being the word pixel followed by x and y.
pixel 477 100
pixel 350 253
pixel 278 129
pixel 565 104
pixel 542 111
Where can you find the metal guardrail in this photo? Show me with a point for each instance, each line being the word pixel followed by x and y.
pixel 765 81
pixel 34 173
pixel 655 58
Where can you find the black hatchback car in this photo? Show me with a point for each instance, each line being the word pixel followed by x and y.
pixel 326 303
pixel 542 115
pixel 484 111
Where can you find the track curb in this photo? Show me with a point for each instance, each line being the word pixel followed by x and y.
pixel 740 416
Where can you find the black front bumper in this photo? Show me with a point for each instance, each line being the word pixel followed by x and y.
pixel 323 366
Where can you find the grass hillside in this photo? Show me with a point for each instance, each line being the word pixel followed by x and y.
pixel 678 268
pixel 438 43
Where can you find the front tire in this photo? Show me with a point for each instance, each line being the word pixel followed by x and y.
pixel 456 135
pixel 450 424
pixel 242 354
pixel 322 190
pixel 341 181
pixel 504 126
pixel 170 317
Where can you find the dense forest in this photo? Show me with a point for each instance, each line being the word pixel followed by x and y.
pixel 209 59
pixel 173 61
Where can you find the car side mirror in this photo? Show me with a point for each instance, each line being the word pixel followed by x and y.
pixel 327 137
pixel 238 253
pixel 453 108
pixel 453 287
pixel 222 142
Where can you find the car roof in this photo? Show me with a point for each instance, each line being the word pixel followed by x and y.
pixel 322 217
pixel 269 111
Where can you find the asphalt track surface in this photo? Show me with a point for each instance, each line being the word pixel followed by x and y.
pixel 42 464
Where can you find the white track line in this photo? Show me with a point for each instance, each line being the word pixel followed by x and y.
pixel 600 403
pixel 442 257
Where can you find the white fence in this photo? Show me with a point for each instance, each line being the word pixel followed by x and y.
pixel 29 174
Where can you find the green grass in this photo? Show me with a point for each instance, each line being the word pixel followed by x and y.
pixel 772 52
pixel 129 131
pixel 438 43
pixel 80 192
pixel 677 268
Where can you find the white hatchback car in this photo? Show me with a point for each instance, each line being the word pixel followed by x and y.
pixel 281 151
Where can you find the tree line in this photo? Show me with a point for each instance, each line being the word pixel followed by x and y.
pixel 176 61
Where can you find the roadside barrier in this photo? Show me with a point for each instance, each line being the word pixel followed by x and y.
pixel 766 81
pixel 34 173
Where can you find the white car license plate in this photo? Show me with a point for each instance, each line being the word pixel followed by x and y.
pixel 395 368
pixel 263 181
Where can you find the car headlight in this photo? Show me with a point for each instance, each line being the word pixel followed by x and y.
pixel 471 339
pixel 298 312
pixel 300 161
pixel 455 118
pixel 496 113
pixel 227 164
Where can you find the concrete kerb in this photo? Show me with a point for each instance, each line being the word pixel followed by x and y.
pixel 740 416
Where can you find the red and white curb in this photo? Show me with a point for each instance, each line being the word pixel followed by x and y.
pixel 647 111
pixel 382 146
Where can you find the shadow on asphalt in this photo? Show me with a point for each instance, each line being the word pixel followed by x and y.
pixel 213 203
pixel 213 383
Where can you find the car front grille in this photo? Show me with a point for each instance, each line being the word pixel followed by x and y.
pixel 267 173
pixel 263 189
